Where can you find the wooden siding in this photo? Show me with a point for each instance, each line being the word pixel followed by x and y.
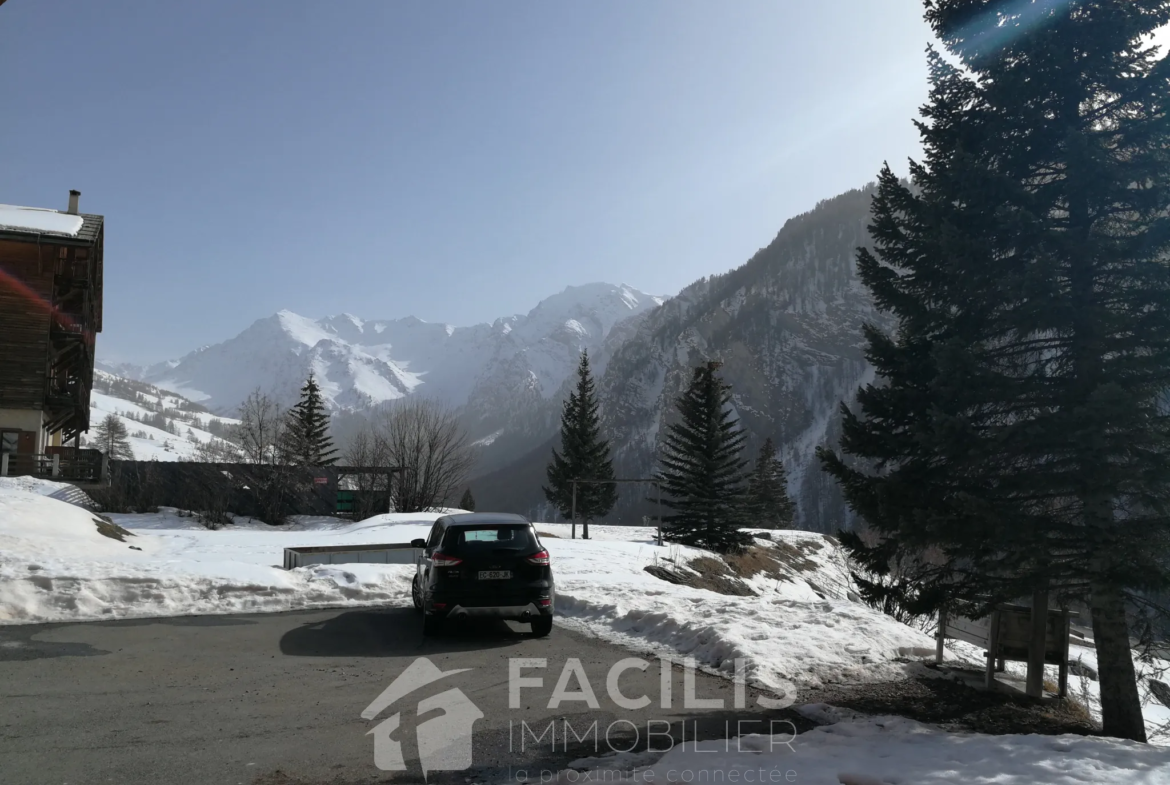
pixel 50 309
pixel 26 295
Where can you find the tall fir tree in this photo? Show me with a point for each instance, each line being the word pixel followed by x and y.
pixel 467 502
pixel 306 439
pixel 583 455
pixel 702 474
pixel 1020 427
pixel 768 505
pixel 111 437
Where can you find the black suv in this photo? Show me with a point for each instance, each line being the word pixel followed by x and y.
pixel 483 565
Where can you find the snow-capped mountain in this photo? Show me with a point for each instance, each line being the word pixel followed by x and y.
pixel 486 367
pixel 786 326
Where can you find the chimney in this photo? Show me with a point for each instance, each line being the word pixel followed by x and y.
pixel 73 197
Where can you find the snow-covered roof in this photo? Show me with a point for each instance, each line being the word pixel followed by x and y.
pixel 39 220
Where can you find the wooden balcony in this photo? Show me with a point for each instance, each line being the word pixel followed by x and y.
pixel 64 464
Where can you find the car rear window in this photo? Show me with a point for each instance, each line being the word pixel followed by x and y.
pixel 489 537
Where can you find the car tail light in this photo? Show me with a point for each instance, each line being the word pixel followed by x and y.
pixel 544 602
pixel 439 606
pixel 443 560
pixel 540 557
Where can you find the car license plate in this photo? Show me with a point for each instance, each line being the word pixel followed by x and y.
pixel 494 575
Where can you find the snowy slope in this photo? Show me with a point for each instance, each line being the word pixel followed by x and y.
pixel 162 426
pixel 364 362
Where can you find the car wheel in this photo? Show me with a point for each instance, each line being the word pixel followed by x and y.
pixel 432 625
pixel 416 595
pixel 541 626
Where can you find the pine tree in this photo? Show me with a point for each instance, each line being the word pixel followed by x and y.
pixel 110 436
pixel 1019 426
pixel 583 455
pixel 306 439
pixel 768 505
pixel 467 502
pixel 702 472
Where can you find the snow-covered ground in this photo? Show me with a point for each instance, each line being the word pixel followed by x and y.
pixel 60 562
pixel 852 749
pixel 55 566
pixel 800 631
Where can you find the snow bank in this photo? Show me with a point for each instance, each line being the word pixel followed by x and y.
pixel 892 751
pixel 803 630
pixel 57 490
pixel 55 565
pixel 31 485
pixel 37 527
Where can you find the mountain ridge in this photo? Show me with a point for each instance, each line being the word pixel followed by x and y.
pixel 787 326
pixel 496 372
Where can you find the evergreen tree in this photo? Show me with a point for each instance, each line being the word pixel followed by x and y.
pixel 306 439
pixel 583 455
pixel 703 469
pixel 467 502
pixel 1020 432
pixel 768 505
pixel 110 436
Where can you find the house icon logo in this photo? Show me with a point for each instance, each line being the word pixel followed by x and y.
pixel 444 741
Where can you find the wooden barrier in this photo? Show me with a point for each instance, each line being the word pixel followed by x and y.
pixel 1007 633
pixel 383 553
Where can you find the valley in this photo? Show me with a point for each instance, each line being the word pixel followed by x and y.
pixel 786 325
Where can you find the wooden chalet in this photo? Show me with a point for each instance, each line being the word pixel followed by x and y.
pixel 50 313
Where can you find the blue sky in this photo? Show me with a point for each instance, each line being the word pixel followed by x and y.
pixel 455 161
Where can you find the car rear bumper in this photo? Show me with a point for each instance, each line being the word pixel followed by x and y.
pixel 514 612
pixel 517 610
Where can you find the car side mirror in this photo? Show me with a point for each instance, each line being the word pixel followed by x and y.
pixel 418 543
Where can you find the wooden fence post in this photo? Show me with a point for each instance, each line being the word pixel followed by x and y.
pixel 1065 623
pixel 1037 644
pixel 942 634
pixel 3 464
pixel 992 649
pixel 56 471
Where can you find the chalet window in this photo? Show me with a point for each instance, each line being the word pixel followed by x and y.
pixel 9 441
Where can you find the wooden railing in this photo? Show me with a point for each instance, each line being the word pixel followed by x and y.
pixel 64 464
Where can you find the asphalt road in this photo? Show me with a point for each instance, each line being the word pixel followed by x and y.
pixel 278 697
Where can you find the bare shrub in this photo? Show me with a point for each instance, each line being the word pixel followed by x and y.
pixel 425 440
pixel 366 449
pixel 261 427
